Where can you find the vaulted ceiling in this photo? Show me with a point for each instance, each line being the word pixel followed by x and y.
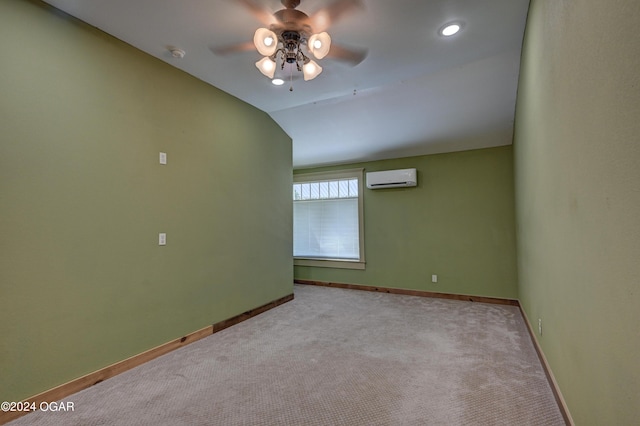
pixel 416 92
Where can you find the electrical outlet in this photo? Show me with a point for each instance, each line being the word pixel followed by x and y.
pixel 434 278
pixel 163 158
pixel 540 326
pixel 162 239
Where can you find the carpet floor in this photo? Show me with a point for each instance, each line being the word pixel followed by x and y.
pixel 336 357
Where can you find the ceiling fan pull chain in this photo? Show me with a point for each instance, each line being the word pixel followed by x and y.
pixel 291 79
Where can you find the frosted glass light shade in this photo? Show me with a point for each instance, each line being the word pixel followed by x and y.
pixel 266 66
pixel 311 70
pixel 266 41
pixel 319 45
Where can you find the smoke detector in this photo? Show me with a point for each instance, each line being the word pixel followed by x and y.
pixel 176 53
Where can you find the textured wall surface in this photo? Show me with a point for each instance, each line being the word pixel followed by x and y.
pixel 457 223
pixel 83 282
pixel 577 157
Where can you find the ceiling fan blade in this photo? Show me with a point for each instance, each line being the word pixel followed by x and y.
pixel 327 16
pixel 233 48
pixel 261 13
pixel 347 54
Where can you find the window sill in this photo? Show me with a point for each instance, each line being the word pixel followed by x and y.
pixel 339 264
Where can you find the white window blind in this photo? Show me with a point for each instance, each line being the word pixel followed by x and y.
pixel 326 219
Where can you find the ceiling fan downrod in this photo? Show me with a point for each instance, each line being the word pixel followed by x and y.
pixel 290 4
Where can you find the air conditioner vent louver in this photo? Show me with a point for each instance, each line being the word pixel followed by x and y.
pixel 392 179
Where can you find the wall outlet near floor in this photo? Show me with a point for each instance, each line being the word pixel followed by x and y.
pixel 540 326
pixel 162 239
pixel 434 278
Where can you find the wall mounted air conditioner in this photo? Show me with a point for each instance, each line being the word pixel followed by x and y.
pixel 392 179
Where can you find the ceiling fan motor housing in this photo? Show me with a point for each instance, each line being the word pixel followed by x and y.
pixel 291 20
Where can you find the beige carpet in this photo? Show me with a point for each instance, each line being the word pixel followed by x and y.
pixel 337 357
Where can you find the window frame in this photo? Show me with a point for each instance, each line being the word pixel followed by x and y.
pixel 335 175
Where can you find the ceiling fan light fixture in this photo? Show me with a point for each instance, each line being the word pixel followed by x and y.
pixel 319 44
pixel 265 41
pixel 277 81
pixel 311 70
pixel 267 66
pixel 291 38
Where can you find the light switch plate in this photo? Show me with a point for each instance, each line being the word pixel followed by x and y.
pixel 162 239
pixel 163 158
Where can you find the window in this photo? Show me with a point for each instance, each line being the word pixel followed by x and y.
pixel 327 219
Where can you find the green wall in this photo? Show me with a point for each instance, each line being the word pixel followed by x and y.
pixel 577 169
pixel 457 223
pixel 83 282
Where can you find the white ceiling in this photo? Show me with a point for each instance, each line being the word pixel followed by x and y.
pixel 415 93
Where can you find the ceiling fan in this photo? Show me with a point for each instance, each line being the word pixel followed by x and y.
pixel 289 33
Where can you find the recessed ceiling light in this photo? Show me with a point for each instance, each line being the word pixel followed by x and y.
pixel 277 81
pixel 450 29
